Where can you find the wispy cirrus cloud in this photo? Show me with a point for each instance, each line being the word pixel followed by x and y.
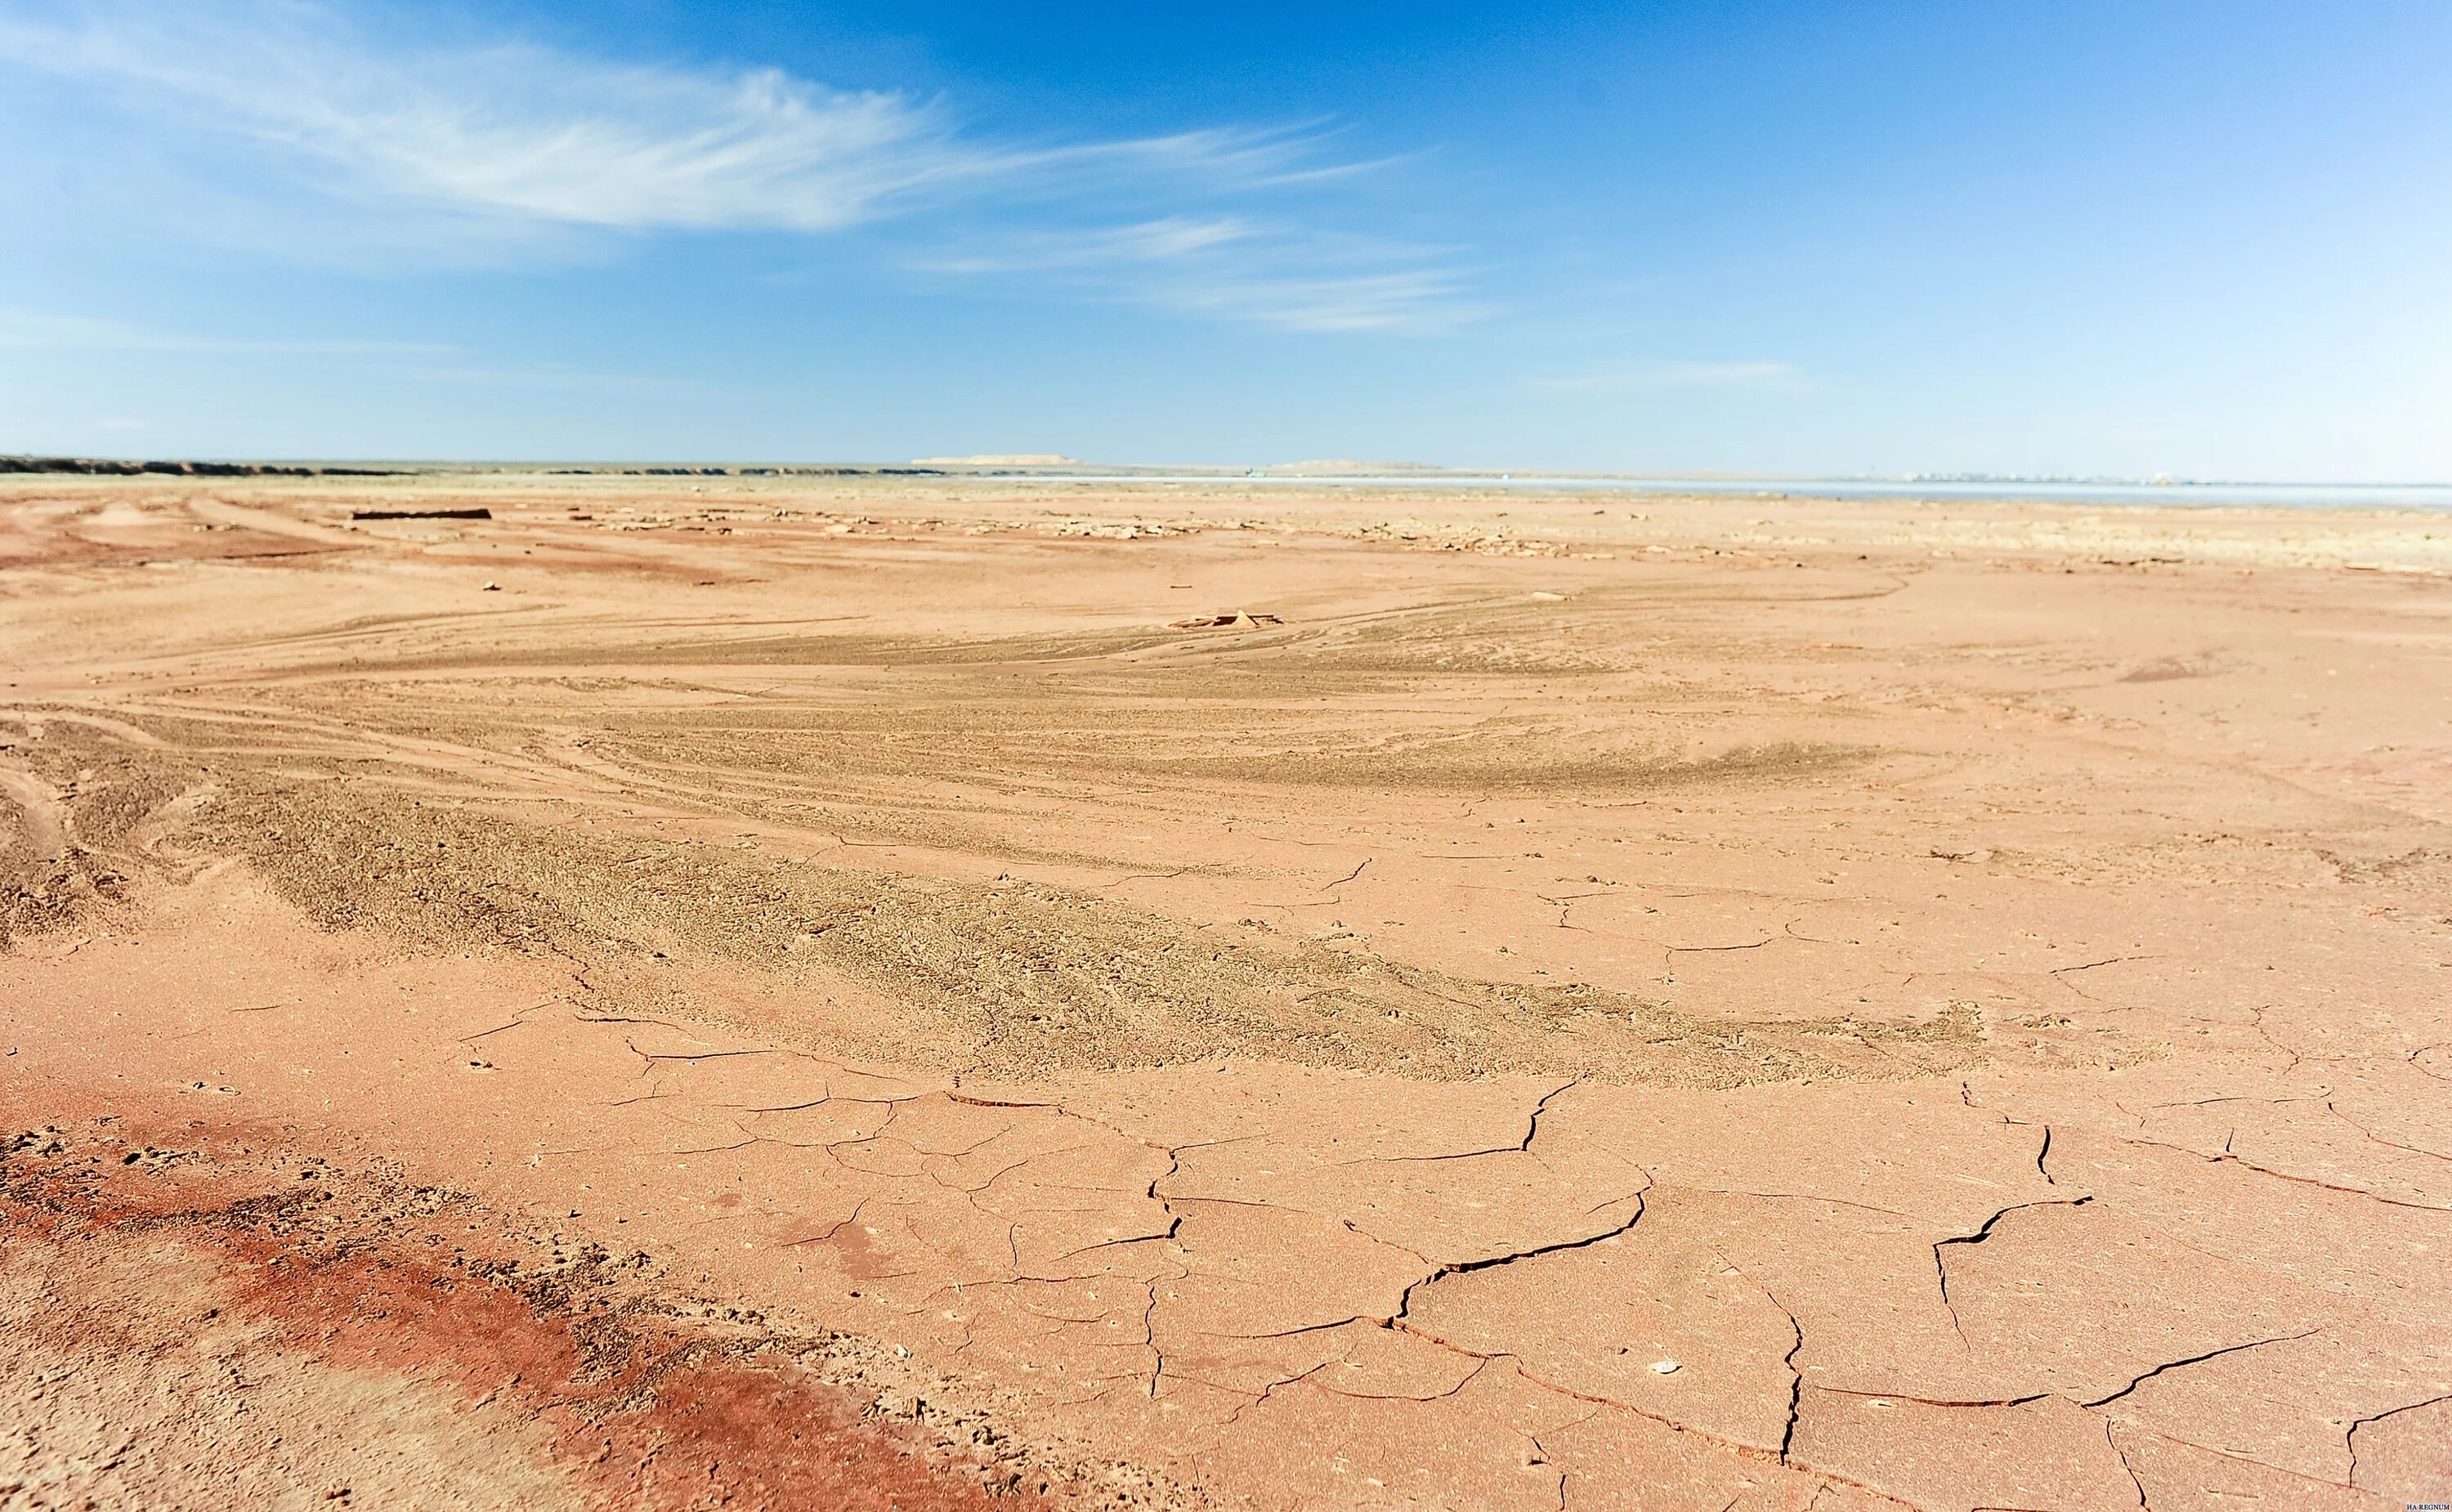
pixel 1417 300
pixel 1272 273
pixel 510 137
pixel 507 131
pixel 1165 239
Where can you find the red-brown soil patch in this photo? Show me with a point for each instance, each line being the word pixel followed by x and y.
pixel 557 1368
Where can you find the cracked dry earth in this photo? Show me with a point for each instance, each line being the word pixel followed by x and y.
pixel 839 993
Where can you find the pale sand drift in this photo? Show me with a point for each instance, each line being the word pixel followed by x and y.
pixel 825 992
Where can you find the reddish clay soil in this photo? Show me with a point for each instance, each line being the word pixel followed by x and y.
pixel 844 993
pixel 202 1318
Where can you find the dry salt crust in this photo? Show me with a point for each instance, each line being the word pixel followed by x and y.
pixel 1183 996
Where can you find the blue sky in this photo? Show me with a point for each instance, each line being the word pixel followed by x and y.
pixel 2208 240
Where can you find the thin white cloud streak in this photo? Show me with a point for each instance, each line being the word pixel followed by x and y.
pixel 1166 238
pixel 1416 301
pixel 1232 267
pixel 1668 377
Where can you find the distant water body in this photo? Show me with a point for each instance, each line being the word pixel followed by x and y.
pixel 2276 496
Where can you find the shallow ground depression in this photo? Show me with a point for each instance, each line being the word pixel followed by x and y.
pixel 1202 1001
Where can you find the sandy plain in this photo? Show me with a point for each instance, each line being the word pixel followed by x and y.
pixel 847 992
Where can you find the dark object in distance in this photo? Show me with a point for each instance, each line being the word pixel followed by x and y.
pixel 480 513
pixel 1244 617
